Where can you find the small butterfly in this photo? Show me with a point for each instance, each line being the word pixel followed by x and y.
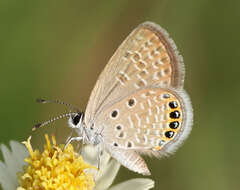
pixel 138 105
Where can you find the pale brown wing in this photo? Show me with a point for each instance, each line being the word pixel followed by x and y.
pixel 148 56
pixel 151 120
pixel 130 159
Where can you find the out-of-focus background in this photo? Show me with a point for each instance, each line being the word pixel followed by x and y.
pixel 56 50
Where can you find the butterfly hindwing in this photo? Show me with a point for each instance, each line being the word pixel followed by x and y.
pixel 150 120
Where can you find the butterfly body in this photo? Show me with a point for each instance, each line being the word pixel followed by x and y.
pixel 138 105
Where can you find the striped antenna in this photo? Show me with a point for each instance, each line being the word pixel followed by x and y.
pixel 39 125
pixel 43 101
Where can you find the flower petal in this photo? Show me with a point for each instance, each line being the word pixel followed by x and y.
pixel 10 164
pixel 14 161
pixel 6 180
pixel 108 167
pixel 138 183
pixel 106 175
pixel 19 153
pixel 90 154
pixel 105 159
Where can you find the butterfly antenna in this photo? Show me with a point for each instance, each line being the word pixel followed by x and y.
pixel 39 125
pixel 43 101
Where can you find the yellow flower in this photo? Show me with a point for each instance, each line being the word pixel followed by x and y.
pixel 55 168
pixel 54 165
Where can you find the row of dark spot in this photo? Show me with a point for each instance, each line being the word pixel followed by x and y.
pixel 173 115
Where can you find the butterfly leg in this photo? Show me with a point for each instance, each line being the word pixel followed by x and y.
pixel 80 146
pixel 73 139
pixel 100 152
pixel 69 137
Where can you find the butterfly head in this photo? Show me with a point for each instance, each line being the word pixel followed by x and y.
pixel 75 120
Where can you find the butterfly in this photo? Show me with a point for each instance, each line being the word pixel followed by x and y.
pixel 138 105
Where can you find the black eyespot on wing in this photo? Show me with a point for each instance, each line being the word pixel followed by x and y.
pixel 173 104
pixel 174 125
pixel 169 134
pixel 174 114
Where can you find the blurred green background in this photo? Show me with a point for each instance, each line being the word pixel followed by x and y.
pixel 56 50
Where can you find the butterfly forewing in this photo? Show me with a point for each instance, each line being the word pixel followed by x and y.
pixel 148 56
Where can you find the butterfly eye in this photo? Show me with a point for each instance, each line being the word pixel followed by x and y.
pixel 76 118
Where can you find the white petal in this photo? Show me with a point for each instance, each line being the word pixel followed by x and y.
pixel 102 177
pixel 106 175
pixel 10 164
pixel 14 161
pixel 138 183
pixel 5 178
pixel 90 155
pixel 19 153
pixel 105 159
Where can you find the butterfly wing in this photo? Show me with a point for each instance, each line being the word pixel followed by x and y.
pixel 130 159
pixel 148 56
pixel 152 120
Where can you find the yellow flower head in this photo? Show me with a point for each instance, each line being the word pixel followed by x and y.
pixel 55 168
